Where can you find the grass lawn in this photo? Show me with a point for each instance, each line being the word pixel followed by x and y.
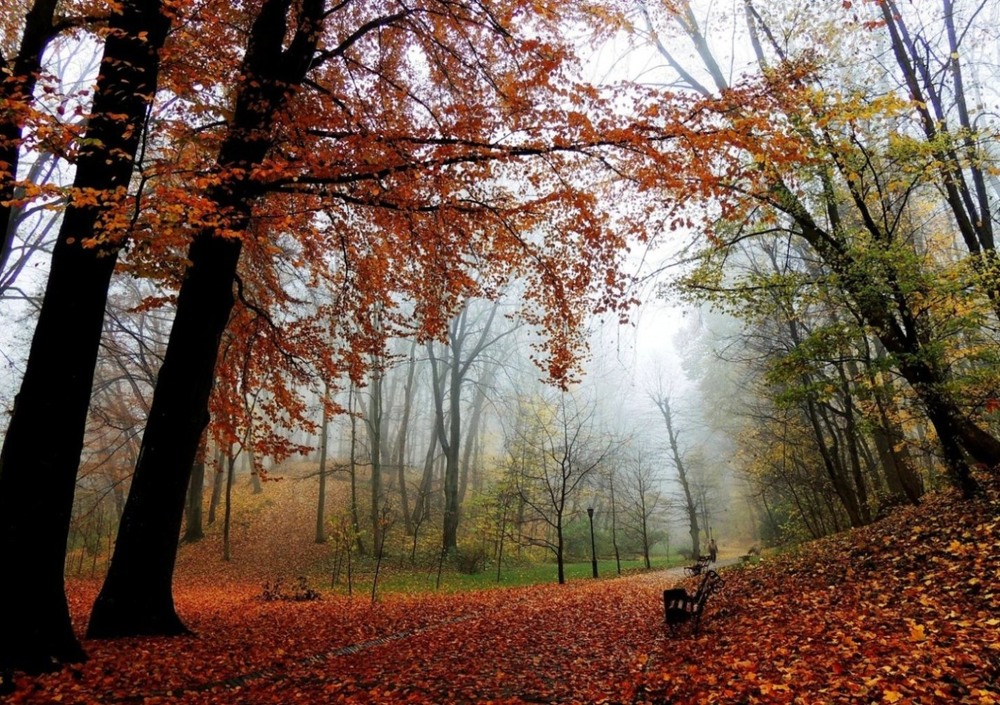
pixel 396 580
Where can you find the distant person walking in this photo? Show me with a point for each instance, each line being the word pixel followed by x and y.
pixel 713 550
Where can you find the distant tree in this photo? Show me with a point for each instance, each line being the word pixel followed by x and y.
pixel 469 336
pixel 685 477
pixel 554 450
pixel 643 497
pixel 323 447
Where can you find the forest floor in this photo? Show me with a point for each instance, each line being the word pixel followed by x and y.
pixel 904 611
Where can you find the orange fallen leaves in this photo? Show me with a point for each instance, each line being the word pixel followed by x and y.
pixel 891 614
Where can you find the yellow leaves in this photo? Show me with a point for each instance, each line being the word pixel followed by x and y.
pixel 770 688
pixel 956 548
pixel 892 696
pixel 918 633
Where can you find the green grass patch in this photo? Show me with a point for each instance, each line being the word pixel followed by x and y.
pixel 401 580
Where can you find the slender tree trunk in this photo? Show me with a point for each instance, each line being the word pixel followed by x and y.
pixel 844 491
pixel 353 470
pixel 321 504
pixel 399 455
pixel 614 522
pixel 213 504
pixel 375 450
pixel 41 450
pixel 472 434
pixel 449 429
pixel 560 562
pixel 137 596
pixel 227 553
pixel 690 505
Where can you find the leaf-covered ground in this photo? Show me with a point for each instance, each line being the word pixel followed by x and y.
pixel 906 611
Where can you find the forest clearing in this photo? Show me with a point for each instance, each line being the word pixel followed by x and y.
pixel 906 610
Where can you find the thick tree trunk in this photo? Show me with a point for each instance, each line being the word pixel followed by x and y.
pixel 41 450
pixel 137 595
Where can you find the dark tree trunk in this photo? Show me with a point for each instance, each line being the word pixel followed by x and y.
pixel 137 597
pixel 41 450
pixel 832 461
pixel 353 470
pixel 450 433
pixel 449 429
pixel 901 334
pixel 560 562
pixel 227 519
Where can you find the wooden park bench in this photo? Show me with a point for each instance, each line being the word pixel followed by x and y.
pixel 699 567
pixel 679 606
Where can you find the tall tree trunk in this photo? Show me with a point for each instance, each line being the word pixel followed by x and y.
pixel 227 553
pixel 901 333
pixel 832 463
pixel 421 507
pixel 41 450
pixel 472 435
pixel 614 522
pixel 449 428
pixel 321 503
pixel 353 470
pixel 137 596
pixel 213 504
pixel 399 452
pixel 690 505
pixel 374 418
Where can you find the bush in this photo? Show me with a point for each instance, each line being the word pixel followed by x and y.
pixel 471 559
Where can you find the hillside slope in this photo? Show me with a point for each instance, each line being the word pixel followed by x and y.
pixel 904 611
